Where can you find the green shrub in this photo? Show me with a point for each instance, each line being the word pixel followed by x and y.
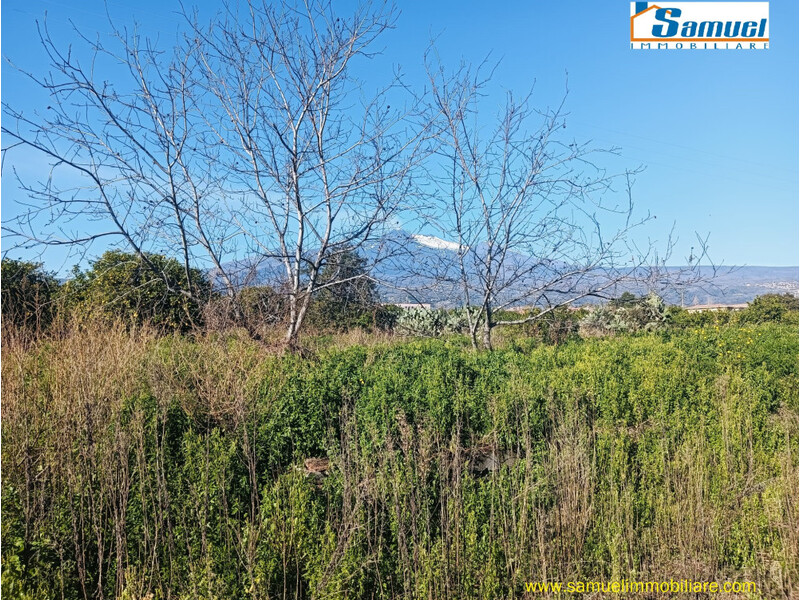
pixel 123 286
pixel 627 314
pixel 556 326
pixel 348 298
pixel 28 294
pixel 423 322
pixel 770 308
pixel 175 466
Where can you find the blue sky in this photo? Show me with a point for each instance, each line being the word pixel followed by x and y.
pixel 716 130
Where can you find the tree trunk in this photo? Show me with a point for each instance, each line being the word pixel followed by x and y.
pixel 298 307
pixel 290 339
pixel 487 328
pixel 473 337
pixel 473 328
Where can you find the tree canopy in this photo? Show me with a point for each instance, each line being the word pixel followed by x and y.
pixel 153 289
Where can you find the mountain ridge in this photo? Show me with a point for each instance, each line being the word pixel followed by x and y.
pixel 425 263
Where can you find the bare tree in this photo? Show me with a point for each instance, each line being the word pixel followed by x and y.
pixel 124 159
pixel 321 167
pixel 249 145
pixel 695 272
pixel 528 210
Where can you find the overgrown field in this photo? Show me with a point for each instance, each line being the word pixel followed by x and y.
pixel 138 466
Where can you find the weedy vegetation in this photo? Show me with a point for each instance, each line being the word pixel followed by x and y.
pixel 144 464
pixel 220 407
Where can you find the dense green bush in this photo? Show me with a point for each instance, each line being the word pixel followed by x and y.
pixel 123 286
pixel 627 314
pixel 677 317
pixel 28 294
pixel 348 298
pixel 770 307
pixel 555 326
pixel 140 467
pixel 776 308
pixel 263 305
pixel 423 322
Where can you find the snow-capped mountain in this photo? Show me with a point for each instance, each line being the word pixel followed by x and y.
pixel 431 241
pixel 413 267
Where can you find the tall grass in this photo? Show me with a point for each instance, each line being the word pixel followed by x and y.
pixel 137 466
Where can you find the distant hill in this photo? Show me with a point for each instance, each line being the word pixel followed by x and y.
pixel 419 268
pixel 736 285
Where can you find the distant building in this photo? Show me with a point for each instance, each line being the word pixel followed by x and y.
pixel 715 307
pixel 569 307
pixel 423 305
